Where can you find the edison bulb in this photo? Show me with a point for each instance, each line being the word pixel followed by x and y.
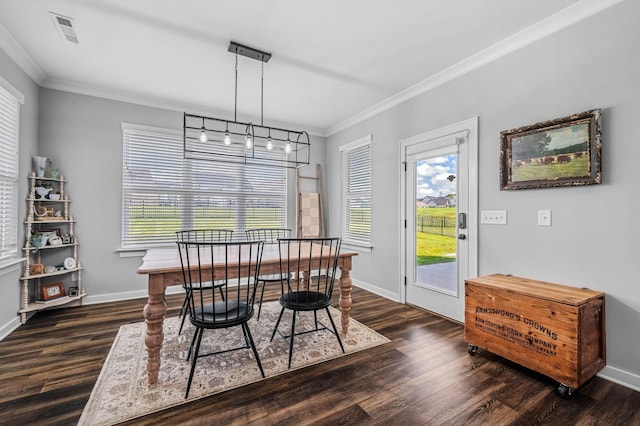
pixel 287 148
pixel 227 138
pixel 248 141
pixel 269 144
pixel 203 136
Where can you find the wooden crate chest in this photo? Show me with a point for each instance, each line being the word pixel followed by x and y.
pixel 553 329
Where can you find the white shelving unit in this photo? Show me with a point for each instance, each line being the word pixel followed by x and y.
pixel 50 263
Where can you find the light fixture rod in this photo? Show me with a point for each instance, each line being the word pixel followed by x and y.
pixel 249 52
pixel 235 106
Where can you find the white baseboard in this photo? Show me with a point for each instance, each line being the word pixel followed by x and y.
pixel 6 329
pixel 621 377
pixel 377 290
pixel 128 295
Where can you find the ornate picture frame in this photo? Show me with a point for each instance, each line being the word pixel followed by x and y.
pixel 562 152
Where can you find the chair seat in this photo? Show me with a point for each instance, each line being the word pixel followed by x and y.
pixel 226 314
pixel 305 300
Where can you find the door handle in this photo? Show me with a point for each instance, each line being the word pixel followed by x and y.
pixel 462 237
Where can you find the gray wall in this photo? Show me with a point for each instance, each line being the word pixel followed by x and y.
pixel 10 277
pixel 82 135
pixel 593 240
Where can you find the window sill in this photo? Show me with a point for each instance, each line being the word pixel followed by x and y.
pixel 356 247
pixel 139 251
pixel 10 265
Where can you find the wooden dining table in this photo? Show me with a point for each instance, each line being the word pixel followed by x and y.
pixel 164 269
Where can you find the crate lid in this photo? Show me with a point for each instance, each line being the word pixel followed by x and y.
pixel 542 290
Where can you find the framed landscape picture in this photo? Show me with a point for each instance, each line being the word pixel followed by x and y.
pixel 562 152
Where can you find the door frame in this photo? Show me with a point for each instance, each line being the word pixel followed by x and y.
pixel 470 128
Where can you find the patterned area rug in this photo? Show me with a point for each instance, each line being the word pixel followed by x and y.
pixel 121 392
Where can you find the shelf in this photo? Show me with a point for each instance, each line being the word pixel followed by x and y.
pixel 35 306
pixel 50 247
pixel 48 179
pixel 32 222
pixel 51 274
pixel 45 214
pixel 38 200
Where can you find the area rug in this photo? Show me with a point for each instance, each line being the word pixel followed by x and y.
pixel 121 392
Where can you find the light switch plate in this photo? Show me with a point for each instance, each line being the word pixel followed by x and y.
pixel 544 217
pixel 493 217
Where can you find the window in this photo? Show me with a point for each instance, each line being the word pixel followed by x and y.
pixel 356 192
pixel 9 125
pixel 162 192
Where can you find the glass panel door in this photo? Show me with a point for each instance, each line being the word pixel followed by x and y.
pixel 436 224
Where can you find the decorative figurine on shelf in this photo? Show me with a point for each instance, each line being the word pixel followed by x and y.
pixel 36 268
pixel 44 213
pixel 36 241
pixel 50 171
pixel 42 189
pixel 39 165
pixel 54 174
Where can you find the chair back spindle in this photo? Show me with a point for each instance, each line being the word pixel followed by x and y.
pixel 200 235
pixel 270 236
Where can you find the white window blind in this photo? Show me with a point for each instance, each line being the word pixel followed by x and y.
pixel 164 193
pixel 356 192
pixel 9 125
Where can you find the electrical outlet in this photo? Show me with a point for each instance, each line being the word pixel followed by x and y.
pixel 544 217
pixel 493 217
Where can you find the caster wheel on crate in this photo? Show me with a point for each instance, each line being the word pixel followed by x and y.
pixel 565 391
pixel 472 349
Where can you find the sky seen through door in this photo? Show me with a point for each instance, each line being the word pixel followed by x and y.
pixel 434 176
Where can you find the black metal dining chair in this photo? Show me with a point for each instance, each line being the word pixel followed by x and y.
pixel 270 236
pixel 199 235
pixel 234 267
pixel 308 267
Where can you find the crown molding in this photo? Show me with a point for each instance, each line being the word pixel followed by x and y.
pixel 156 102
pixel 550 25
pixel 19 56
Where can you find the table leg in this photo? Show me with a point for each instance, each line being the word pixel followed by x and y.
pixel 154 313
pixel 345 298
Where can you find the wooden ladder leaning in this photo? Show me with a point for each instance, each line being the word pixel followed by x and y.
pixel 310 221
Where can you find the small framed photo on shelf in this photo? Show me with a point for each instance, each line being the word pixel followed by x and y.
pixel 51 232
pixel 53 291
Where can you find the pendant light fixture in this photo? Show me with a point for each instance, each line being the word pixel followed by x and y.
pixel 216 139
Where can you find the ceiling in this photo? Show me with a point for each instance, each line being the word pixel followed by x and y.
pixel 331 59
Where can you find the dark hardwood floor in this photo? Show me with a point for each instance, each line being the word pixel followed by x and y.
pixel 424 376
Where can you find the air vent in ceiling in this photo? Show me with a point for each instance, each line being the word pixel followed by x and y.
pixel 65 27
